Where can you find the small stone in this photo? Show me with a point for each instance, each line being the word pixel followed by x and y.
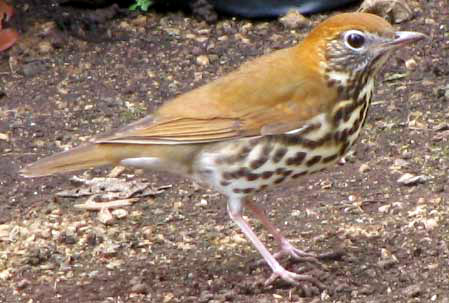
pixel 105 216
pixel 205 297
pixel 412 291
pixel 109 249
pixel 397 11
pixel 411 64
pixel 439 128
pixel 430 224
pixel 384 208
pixel 120 213
pixel 139 288
pixel 294 20
pixel 141 20
pixel 124 25
pixel 22 284
pixel 406 155
pixel 4 232
pixel 202 203
pixel 202 60
pixel 364 168
pixel 45 47
pixel 411 180
pixel 386 264
pixel 4 137
pixel 66 238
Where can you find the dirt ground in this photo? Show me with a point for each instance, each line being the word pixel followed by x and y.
pixel 77 73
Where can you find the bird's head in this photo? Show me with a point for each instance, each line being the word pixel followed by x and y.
pixel 353 44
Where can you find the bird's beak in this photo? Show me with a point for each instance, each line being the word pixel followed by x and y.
pixel 403 38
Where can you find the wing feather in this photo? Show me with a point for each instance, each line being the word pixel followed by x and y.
pixel 252 101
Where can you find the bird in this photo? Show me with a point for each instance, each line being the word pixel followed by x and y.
pixel 276 118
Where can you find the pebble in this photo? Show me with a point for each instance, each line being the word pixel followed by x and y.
pixel 412 291
pixel 410 179
pixel 386 264
pixel 139 288
pixel 411 64
pixel 4 137
pixel 120 213
pixel 364 168
pixel 24 283
pixel 32 69
pixel 45 47
pixel 398 11
pixel 205 297
pixel 105 216
pixel 202 60
pixel 294 20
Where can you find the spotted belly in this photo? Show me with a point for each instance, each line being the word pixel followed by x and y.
pixel 246 166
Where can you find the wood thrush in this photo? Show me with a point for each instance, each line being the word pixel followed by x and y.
pixel 284 115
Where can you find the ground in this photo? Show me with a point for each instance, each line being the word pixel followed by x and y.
pixel 176 243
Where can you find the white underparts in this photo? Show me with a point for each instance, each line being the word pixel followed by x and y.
pixel 143 162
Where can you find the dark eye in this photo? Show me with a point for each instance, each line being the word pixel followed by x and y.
pixel 354 39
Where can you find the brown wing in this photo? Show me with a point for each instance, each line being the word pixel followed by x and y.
pixel 270 95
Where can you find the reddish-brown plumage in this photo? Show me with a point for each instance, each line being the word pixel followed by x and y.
pixel 278 117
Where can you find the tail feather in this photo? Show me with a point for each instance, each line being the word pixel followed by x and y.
pixel 82 157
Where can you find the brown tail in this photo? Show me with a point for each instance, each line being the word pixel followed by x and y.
pixel 82 157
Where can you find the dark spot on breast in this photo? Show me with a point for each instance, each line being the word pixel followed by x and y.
pixel 255 164
pixel 297 159
pixel 241 172
pixel 350 110
pixel 227 176
pixel 339 114
pixel 266 150
pixel 297 175
pixel 330 158
pixel 343 148
pixel 248 190
pixel 267 174
pixel 253 142
pixel 279 154
pixel 354 127
pixel 312 161
pixel 340 89
pixel 280 171
pixel 287 173
pixel 279 180
pixel 263 187
pixel 224 183
pixel 252 177
pixel 237 190
pixel 243 153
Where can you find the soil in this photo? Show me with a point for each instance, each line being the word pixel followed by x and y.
pixel 77 73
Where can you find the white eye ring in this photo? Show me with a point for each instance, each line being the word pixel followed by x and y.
pixel 354 39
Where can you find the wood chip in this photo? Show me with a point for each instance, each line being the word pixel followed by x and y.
pixel 92 205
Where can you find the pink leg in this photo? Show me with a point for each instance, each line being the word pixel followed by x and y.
pixel 235 209
pixel 284 244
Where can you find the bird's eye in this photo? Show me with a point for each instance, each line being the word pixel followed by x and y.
pixel 354 39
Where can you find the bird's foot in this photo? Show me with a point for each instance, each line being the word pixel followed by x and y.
pixel 293 278
pixel 289 250
pixel 297 254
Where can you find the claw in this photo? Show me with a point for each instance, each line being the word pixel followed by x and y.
pixel 293 278
pixel 297 254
